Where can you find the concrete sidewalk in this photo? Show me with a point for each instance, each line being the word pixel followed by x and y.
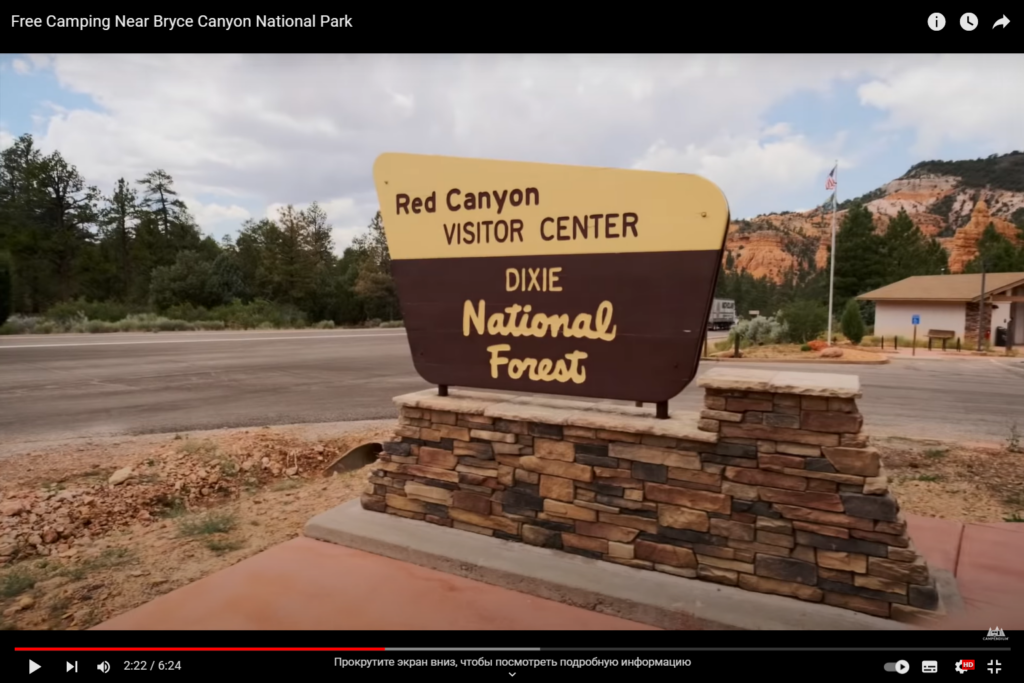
pixel 309 584
pixel 904 353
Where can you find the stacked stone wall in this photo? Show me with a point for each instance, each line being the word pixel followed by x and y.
pixel 773 488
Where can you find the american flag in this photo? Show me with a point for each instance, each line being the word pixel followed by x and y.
pixel 830 184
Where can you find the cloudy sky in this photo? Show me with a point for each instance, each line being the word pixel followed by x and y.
pixel 244 134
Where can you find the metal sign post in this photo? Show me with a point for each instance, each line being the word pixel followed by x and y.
pixel 915 320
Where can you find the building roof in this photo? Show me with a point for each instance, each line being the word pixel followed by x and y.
pixel 945 287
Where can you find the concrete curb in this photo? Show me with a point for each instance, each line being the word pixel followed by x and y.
pixel 647 597
pixel 999 359
pixel 804 361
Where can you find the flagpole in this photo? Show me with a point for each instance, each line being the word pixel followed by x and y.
pixel 832 274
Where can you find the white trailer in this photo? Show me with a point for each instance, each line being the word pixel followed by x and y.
pixel 723 314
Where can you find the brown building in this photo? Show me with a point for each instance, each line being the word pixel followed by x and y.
pixel 951 302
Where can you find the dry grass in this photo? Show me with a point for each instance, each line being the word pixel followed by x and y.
pixel 954 481
pixel 795 352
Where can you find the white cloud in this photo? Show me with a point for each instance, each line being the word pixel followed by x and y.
pixel 962 98
pixel 6 139
pixel 218 219
pixel 21 67
pixel 246 132
pixel 746 167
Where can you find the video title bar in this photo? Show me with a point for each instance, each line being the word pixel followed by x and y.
pixel 374 28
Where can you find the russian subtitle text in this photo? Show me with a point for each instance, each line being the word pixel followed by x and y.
pixel 520 663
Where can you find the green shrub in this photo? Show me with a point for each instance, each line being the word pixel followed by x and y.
pixel 852 322
pixel 211 325
pixel 805 320
pixel 100 327
pixel 68 312
pixel 325 325
pixel 805 347
pixel 165 325
pixel 758 331
pixel 393 323
pixel 20 324
pixel 188 312
pixel 258 314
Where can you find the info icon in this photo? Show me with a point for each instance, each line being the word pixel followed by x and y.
pixel 936 22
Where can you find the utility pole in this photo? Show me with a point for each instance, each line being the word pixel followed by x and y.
pixel 981 305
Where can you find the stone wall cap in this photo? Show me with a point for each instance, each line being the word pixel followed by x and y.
pixel 826 385
pixel 561 412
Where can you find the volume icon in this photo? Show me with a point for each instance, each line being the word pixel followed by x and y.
pixel 104 667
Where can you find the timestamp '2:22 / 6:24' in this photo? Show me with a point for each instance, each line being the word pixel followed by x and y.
pixel 152 665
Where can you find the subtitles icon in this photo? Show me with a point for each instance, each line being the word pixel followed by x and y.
pixel 930 667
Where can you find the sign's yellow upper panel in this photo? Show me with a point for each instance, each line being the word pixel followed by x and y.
pixel 447 207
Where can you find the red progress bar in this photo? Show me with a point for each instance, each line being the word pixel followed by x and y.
pixel 199 649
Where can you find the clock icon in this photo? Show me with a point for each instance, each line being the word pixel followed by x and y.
pixel 969 22
pixel 936 22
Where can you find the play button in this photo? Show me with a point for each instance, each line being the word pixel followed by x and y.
pixel 902 666
pixel 33 667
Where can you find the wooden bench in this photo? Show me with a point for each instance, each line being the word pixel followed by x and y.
pixel 944 335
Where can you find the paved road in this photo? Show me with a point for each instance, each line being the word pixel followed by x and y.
pixel 58 387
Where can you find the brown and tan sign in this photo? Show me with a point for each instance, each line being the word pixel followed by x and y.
pixel 586 282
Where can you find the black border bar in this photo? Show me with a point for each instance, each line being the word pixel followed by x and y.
pixel 521 666
pixel 533 28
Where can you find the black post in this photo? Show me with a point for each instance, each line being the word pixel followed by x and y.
pixel 943 343
pixel 442 389
pixel 958 344
pixel 929 343
pixel 883 343
pixel 736 351
pixel 639 404
pixel 662 410
pixel 896 342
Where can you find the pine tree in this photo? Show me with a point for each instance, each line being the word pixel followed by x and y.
pixel 908 252
pixel 936 257
pixel 5 287
pixel 68 211
pixel 852 322
pixel 1000 254
pixel 118 219
pixel 860 257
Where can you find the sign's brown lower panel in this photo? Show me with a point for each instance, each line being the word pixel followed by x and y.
pixel 660 306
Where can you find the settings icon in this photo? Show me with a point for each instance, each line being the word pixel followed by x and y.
pixel 959 668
